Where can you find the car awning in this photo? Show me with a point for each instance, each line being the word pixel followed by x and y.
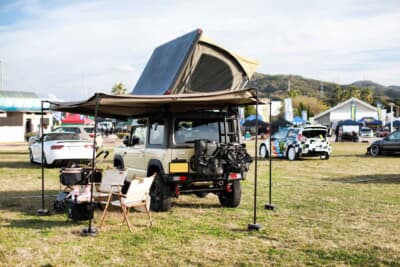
pixel 124 106
pixel 193 63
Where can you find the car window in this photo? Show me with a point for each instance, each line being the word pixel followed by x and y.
pixel 281 134
pixel 89 129
pixel 140 132
pixel 292 133
pixel 314 133
pixel 65 136
pixel 157 133
pixel 186 131
pixel 68 129
pixel 394 136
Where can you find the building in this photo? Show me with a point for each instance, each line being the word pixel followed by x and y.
pixel 20 114
pixel 343 111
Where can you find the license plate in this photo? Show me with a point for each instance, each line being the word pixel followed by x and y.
pixel 178 167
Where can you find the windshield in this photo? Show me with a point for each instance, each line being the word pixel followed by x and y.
pixel 186 131
pixel 68 129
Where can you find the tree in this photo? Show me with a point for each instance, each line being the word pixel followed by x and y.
pixel 367 95
pixel 118 89
pixel 249 110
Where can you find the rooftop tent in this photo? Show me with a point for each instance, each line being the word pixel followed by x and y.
pixel 193 63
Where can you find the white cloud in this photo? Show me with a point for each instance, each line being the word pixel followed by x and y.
pixel 75 49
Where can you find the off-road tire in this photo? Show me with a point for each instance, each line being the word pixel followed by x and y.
pixel 375 151
pixel 324 157
pixel 263 151
pixel 160 197
pixel 231 199
pixel 31 156
pixel 291 154
pixel 201 194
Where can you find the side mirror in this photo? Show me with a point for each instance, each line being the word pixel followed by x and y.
pixel 135 140
pixel 125 140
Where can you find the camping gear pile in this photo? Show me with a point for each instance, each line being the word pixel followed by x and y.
pixel 75 197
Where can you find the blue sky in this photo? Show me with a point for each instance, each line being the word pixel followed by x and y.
pixel 72 49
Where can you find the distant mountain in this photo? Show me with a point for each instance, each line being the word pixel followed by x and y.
pixel 330 93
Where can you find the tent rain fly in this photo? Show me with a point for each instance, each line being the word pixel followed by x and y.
pixel 125 106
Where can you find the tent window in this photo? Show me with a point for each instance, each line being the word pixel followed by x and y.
pixel 211 74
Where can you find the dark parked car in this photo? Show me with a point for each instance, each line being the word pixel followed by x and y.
pixel 390 145
pixel 382 132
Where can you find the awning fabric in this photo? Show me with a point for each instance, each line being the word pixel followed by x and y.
pixel 124 106
pixel 193 63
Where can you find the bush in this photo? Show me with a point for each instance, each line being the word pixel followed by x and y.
pixel 121 135
pixel 29 135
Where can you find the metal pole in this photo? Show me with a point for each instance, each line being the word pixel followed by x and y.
pixel 42 211
pixel 270 206
pixel 255 226
pixel 90 231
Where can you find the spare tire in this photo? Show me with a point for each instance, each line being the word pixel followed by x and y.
pixel 231 199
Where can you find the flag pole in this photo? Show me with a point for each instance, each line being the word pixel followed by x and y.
pixel 42 211
pixel 270 206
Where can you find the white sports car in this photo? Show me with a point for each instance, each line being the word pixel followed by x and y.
pixel 60 148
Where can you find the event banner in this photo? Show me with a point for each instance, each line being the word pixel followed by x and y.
pixel 353 110
pixel 379 110
pixel 304 115
pixel 288 109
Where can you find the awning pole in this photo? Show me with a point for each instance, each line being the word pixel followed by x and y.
pixel 270 206
pixel 42 211
pixel 91 231
pixel 255 226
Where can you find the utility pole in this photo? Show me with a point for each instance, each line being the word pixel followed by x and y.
pixel 321 92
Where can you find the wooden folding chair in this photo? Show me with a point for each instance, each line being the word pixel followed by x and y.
pixel 137 197
pixel 111 182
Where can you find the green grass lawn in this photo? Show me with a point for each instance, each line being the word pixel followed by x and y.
pixel 343 211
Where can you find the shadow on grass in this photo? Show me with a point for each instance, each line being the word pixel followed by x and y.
pixel 26 202
pixel 195 205
pixel 39 223
pixel 19 165
pixel 369 179
pixel 11 152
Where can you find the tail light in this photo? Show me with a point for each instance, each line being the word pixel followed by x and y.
pixel 300 138
pixel 56 147
pixel 88 146
pixel 91 135
pixel 234 176
pixel 180 178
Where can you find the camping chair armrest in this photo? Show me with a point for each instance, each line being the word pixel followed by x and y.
pixel 119 194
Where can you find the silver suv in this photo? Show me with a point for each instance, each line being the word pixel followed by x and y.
pixel 192 153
